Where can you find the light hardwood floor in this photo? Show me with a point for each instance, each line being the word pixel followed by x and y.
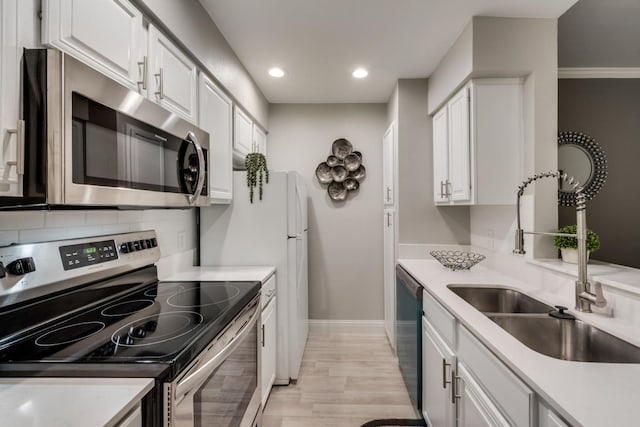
pixel 344 381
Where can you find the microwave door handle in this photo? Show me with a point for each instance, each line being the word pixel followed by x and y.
pixel 201 175
pixel 195 379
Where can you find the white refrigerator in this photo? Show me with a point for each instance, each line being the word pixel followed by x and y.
pixel 271 231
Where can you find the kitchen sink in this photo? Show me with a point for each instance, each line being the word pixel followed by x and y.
pixel 527 320
pixel 499 300
pixel 567 339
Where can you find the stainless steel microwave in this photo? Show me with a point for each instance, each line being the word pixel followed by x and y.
pixel 89 141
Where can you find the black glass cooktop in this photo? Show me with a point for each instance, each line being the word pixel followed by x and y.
pixel 158 322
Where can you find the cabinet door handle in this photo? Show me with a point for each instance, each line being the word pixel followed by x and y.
pixel 19 131
pixel 262 327
pixel 388 194
pixel 144 65
pixel 444 373
pixel 160 79
pixel 388 219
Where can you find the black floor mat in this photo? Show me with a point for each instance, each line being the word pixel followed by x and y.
pixel 393 422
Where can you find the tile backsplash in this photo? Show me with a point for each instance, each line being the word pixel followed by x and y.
pixel 175 227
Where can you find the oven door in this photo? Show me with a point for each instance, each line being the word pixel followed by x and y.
pixel 221 387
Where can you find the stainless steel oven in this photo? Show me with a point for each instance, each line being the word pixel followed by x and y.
pixel 220 388
pixel 89 141
pixel 94 307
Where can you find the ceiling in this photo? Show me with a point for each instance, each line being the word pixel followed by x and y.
pixel 320 42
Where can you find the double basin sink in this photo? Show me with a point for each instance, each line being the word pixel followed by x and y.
pixel 528 320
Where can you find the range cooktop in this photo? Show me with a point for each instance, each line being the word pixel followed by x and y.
pixel 157 322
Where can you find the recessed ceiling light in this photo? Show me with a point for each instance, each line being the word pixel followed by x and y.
pixel 276 72
pixel 360 73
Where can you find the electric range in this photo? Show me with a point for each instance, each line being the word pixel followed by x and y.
pixel 94 307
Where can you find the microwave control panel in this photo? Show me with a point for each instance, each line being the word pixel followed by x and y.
pixel 85 254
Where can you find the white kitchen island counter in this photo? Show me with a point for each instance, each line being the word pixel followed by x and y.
pixel 69 402
pixel 584 393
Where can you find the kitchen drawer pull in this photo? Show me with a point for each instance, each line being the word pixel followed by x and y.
pixel 388 194
pixel 262 335
pixel 388 219
pixel 144 64
pixel 160 78
pixel 444 373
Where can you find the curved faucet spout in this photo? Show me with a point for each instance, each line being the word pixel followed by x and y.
pixel 585 296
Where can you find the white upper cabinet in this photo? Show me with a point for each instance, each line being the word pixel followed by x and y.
pixel 16 25
pixel 388 166
pixel 106 35
pixel 242 135
pixel 172 76
pixel 478 144
pixel 215 111
pixel 441 156
pixel 259 140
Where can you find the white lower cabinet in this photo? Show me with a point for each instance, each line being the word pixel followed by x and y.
pixel 389 270
pixel 475 408
pixel 438 369
pixel 268 339
pixel 463 383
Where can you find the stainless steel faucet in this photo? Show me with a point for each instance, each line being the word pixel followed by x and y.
pixel 587 293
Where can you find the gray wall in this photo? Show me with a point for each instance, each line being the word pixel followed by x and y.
pixel 190 23
pixel 420 221
pixel 345 239
pixel 608 110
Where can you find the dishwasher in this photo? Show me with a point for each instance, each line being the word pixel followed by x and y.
pixel 409 334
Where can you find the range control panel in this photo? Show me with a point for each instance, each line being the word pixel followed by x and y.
pixel 84 254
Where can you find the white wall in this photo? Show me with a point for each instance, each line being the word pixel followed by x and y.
pixel 345 239
pixel 190 23
pixel 175 228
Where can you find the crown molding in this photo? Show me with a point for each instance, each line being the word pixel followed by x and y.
pixel 599 73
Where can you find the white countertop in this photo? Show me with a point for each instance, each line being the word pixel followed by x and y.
pixel 584 393
pixel 223 273
pixel 69 402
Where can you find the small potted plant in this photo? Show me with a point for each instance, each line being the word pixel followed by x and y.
pixel 569 245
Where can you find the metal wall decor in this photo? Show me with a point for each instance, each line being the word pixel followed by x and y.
pixel 582 158
pixel 343 170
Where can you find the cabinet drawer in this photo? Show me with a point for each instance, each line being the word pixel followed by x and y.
pixel 514 398
pixel 268 290
pixel 440 318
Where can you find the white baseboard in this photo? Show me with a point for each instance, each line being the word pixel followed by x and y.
pixel 347 327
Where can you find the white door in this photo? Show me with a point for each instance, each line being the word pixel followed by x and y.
pixel 268 354
pixel 438 369
pixel 216 117
pixel 11 127
pixel 388 166
pixel 441 156
pixel 106 35
pixel 173 76
pixel 242 134
pixel 298 303
pixel 459 146
pixel 389 275
pixel 475 408
pixel 297 199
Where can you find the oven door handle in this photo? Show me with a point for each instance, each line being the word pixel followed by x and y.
pixel 191 137
pixel 194 380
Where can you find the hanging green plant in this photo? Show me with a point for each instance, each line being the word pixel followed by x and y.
pixel 257 172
